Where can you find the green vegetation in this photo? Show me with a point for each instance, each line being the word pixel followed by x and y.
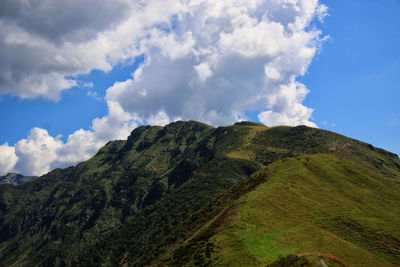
pixel 191 194
pixel 315 204
pixel 291 261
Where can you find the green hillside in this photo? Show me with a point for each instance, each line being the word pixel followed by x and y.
pixel 317 205
pixel 189 193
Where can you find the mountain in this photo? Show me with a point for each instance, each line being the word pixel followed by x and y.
pixel 191 194
pixel 15 178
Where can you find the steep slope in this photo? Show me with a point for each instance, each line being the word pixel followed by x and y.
pixel 140 200
pixel 317 205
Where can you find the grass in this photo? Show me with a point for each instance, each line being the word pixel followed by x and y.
pixel 263 246
pixel 305 208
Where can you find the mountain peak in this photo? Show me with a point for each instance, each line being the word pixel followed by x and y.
pixel 249 123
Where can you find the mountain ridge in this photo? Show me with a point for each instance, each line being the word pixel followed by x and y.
pixel 15 178
pixel 135 200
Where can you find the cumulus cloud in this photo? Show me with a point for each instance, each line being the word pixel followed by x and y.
pixel 286 108
pixel 44 44
pixel 37 151
pixel 214 61
pixel 204 60
pixel 7 158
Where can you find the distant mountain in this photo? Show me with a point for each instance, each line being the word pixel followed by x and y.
pixel 191 194
pixel 15 178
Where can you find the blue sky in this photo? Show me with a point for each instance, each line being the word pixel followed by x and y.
pixel 355 80
pixel 349 63
pixel 76 109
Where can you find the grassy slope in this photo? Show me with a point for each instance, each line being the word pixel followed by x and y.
pixel 309 204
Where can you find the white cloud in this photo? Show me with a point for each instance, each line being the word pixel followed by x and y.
pixel 272 73
pixel 83 84
pixel 36 152
pixel 8 159
pixel 205 60
pixel 216 60
pixel 286 108
pixel 203 70
pixel 39 56
pixel 40 152
pixel 161 119
pixel 94 95
pixel 116 125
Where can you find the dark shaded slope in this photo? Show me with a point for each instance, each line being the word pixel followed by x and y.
pixel 139 199
pixel 52 218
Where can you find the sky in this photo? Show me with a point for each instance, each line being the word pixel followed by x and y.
pixel 77 74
